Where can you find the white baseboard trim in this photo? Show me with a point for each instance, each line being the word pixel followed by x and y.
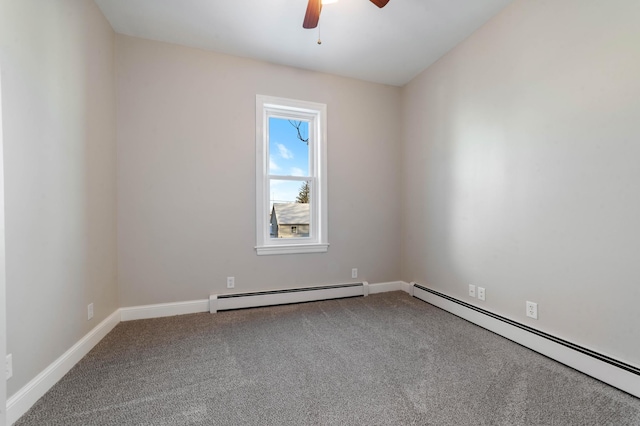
pixel 21 401
pixel 388 286
pixel 623 376
pixel 164 310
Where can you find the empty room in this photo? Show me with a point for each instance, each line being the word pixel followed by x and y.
pixel 292 212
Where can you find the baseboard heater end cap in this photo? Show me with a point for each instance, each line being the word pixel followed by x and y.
pixel 411 287
pixel 213 303
pixel 365 288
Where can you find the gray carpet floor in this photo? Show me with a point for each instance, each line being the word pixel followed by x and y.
pixel 387 359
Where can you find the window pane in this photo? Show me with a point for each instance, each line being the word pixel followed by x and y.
pixel 288 147
pixel 289 213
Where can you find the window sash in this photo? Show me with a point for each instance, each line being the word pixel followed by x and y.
pixel 315 114
pixel 312 214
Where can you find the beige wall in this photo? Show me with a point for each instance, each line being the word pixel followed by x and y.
pixel 3 276
pixel 512 163
pixel 186 162
pixel 59 152
pixel 520 162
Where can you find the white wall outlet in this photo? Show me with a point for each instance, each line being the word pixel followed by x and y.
pixel 89 311
pixel 472 290
pixel 532 310
pixel 354 273
pixel 231 282
pixel 481 293
pixel 9 366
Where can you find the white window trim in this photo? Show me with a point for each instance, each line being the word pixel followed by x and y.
pixel 317 242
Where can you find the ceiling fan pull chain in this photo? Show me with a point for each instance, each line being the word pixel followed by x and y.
pixel 319 41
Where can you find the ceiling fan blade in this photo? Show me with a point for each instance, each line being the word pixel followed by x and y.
pixel 380 3
pixel 312 16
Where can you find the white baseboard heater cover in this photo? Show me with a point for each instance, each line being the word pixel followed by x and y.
pixel 613 371
pixel 224 302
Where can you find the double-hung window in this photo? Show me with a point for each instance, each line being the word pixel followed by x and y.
pixel 291 176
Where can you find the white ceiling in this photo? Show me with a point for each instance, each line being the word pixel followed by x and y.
pixel 390 45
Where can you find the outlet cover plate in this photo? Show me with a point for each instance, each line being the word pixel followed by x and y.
pixel 231 282
pixel 481 293
pixel 532 310
pixel 472 290
pixel 354 273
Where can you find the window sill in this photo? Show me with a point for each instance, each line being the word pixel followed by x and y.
pixel 292 249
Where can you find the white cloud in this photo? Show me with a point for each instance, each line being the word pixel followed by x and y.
pixel 284 152
pixel 295 171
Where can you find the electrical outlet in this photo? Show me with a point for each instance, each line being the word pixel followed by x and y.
pixel 231 282
pixel 532 310
pixel 9 366
pixel 472 290
pixel 481 293
pixel 90 311
pixel 354 273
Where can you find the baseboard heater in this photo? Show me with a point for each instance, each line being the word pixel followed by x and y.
pixel 608 369
pixel 224 302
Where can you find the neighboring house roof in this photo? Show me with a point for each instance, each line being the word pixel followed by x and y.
pixel 291 213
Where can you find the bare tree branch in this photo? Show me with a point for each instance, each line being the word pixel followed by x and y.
pixel 297 125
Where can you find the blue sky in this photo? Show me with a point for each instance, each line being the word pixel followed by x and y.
pixel 288 156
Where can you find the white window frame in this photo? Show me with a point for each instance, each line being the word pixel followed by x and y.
pixel 316 114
